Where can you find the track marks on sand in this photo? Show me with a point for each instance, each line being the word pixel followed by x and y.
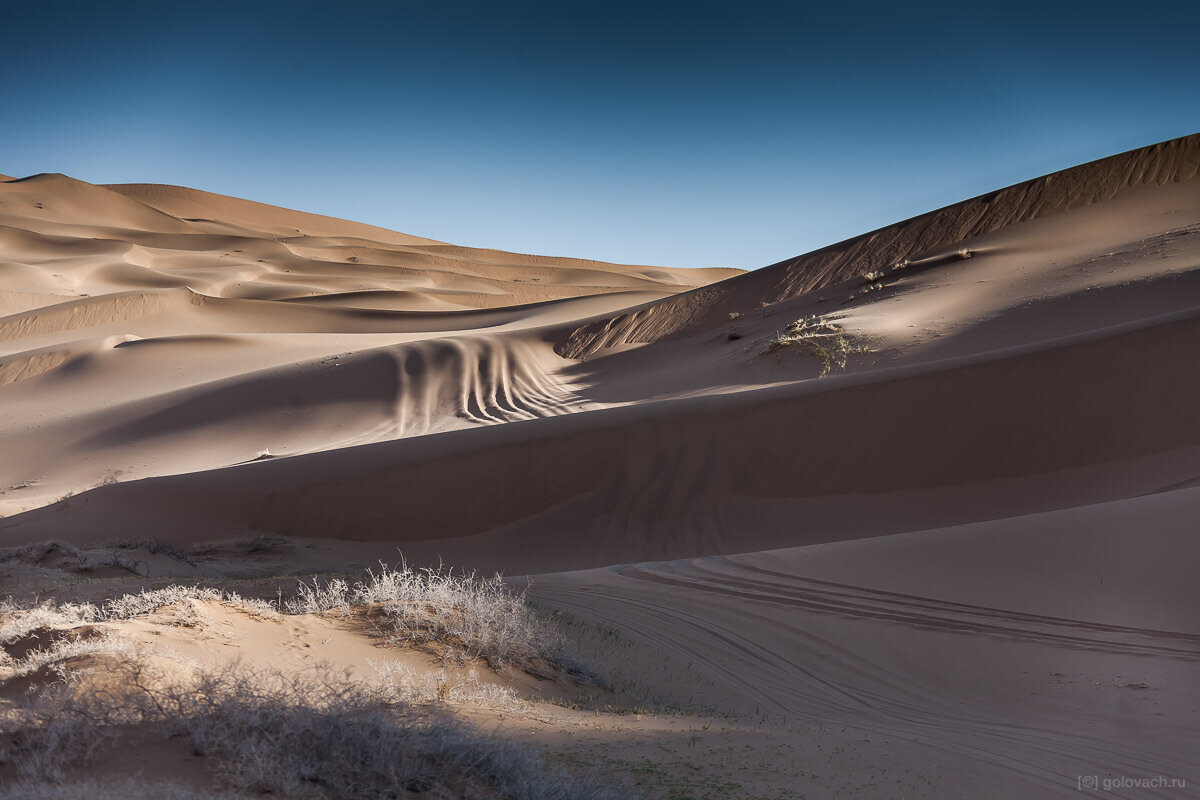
pixel 728 577
pixel 1022 701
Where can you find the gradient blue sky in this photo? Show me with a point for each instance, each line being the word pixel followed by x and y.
pixel 680 134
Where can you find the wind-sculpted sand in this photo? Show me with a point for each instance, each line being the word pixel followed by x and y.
pixel 911 515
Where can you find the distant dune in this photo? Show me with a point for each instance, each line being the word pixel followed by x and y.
pixel 935 484
pixel 186 331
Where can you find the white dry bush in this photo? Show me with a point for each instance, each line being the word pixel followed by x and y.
pixel 114 555
pixel 300 736
pixel 307 736
pixel 820 337
pixel 181 597
pixel 34 553
pixel 464 616
pixel 65 648
pixel 154 547
pixel 17 622
pixel 57 622
pixel 471 617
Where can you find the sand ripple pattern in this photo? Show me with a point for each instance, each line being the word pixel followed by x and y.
pixel 444 383
pixel 953 678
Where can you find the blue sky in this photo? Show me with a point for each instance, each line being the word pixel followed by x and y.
pixel 678 134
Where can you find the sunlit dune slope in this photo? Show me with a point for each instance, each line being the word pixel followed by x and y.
pixel 148 330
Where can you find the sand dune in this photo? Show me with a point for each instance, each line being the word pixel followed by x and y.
pixel 238 309
pixel 931 239
pixel 925 494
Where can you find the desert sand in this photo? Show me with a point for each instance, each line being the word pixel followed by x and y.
pixel 911 515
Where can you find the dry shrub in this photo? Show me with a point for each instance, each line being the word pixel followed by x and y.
pixel 465 615
pixel 819 337
pixel 311 735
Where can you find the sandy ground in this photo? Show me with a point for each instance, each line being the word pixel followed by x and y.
pixel 960 565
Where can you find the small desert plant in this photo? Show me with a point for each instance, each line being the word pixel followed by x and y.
pixel 152 546
pixel 734 315
pixel 64 648
pixel 116 558
pixel 264 543
pixel 111 478
pixel 465 615
pixel 17 623
pixel 35 552
pixel 819 337
pixel 252 545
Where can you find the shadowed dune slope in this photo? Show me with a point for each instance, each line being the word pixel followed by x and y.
pixel 1026 430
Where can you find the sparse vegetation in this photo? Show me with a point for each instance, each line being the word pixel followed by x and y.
pixel 16 623
pixel 154 547
pixel 457 617
pixel 66 555
pixel 254 545
pixel 314 735
pixel 304 736
pixel 265 543
pixel 819 337
pixel 37 551
pixel 116 558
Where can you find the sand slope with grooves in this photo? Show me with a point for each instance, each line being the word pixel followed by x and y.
pixel 181 331
pixel 964 555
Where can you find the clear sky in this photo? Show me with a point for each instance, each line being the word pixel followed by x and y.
pixel 678 134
